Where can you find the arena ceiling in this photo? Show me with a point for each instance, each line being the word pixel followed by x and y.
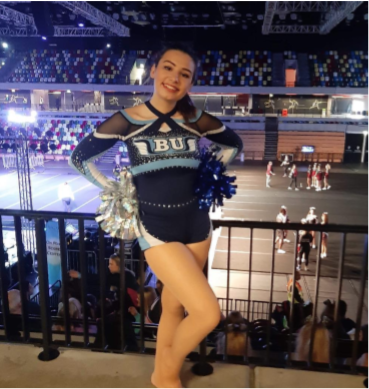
pixel 128 18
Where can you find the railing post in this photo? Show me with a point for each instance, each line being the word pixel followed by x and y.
pixel 65 278
pixel 122 296
pixel 83 271
pixel 270 299
pixel 202 367
pixel 21 276
pixel 364 273
pixel 48 353
pixel 102 268
pixel 3 286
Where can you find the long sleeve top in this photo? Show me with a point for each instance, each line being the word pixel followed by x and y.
pixel 163 152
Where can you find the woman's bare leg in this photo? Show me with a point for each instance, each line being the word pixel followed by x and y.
pixel 173 310
pixel 176 266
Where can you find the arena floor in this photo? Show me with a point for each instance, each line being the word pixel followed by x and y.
pixel 346 202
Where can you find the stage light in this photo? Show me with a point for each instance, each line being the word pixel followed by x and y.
pixel 3 63
pixel 13 90
pixel 108 45
pixel 5 45
pixel 44 38
pixel 81 25
pixel 68 91
pixel 365 133
pixel 14 117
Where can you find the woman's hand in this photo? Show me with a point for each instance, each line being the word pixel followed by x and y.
pixel 133 311
pixel 74 274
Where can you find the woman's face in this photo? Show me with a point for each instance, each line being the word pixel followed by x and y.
pixel 173 75
pixel 113 266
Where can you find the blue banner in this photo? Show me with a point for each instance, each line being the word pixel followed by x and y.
pixel 53 252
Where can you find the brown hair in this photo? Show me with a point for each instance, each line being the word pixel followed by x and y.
pixel 116 258
pixel 184 106
pixel 325 217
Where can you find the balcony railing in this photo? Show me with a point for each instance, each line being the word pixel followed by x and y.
pixel 264 345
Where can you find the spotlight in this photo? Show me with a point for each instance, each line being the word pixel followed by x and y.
pixel 3 63
pixel 5 45
pixel 44 38
pixel 108 45
pixel 81 25
pixel 68 91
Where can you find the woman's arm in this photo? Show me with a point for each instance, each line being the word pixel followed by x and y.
pixel 95 145
pixel 214 130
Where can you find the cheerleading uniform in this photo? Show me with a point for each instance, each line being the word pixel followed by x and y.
pixel 164 156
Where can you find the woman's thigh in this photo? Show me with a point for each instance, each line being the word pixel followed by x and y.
pixel 175 265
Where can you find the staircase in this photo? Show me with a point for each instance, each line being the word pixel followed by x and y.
pixel 109 156
pixel 129 61
pixel 271 138
pixel 303 76
pixel 278 76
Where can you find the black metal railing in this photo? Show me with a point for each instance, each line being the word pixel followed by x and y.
pixel 276 348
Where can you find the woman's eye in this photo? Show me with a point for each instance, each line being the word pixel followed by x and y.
pixel 167 68
pixel 185 75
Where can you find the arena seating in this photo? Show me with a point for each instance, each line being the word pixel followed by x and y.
pixel 252 68
pixel 328 145
pixel 69 66
pixel 64 134
pixel 289 55
pixel 336 69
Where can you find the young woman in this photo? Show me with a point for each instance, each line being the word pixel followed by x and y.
pixel 312 218
pixel 324 236
pixel 162 139
pixel 313 176
pixel 326 177
pixel 308 178
pixel 319 178
pixel 282 217
pixel 285 164
pixel 293 177
pixel 269 174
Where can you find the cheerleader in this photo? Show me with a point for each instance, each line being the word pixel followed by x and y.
pixel 313 176
pixel 326 177
pixel 324 236
pixel 285 163
pixel 282 217
pixel 293 176
pixel 308 177
pixel 312 218
pixel 319 178
pixel 269 174
pixel 305 240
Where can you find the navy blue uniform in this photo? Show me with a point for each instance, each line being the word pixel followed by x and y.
pixel 164 159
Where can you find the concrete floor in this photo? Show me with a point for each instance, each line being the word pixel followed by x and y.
pixel 20 367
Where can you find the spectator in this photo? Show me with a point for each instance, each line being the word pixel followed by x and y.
pixel 298 290
pixel 149 298
pixel 312 218
pixel 347 324
pixel 285 163
pixel 321 345
pixel 235 331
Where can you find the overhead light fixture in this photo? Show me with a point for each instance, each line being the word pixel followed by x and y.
pixel 108 45
pixel 5 45
pixel 68 91
pixel 81 25
pixel 44 38
pixel 13 90
pixel 3 63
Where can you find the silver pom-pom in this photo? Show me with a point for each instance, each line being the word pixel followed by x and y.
pixel 119 208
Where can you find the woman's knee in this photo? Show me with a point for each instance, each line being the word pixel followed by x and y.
pixel 208 313
pixel 170 303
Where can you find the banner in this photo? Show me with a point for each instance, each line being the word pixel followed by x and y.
pixel 53 252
